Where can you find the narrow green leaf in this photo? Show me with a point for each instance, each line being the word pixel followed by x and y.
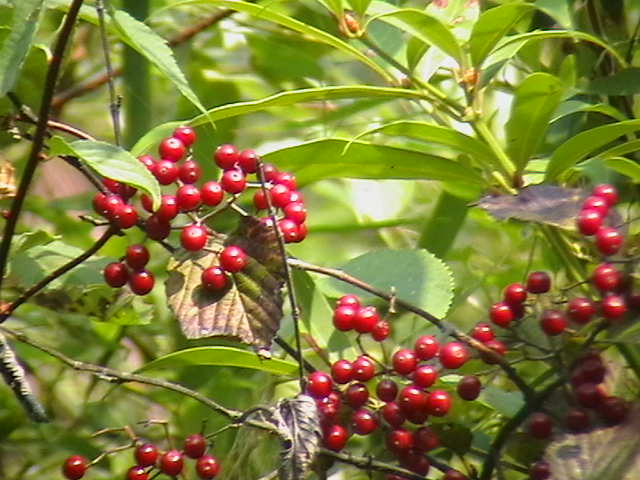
pixel 574 106
pixel 559 10
pixel 536 98
pixel 153 47
pixel 577 148
pixel 321 159
pixel 221 357
pixel 110 161
pixel 624 82
pixel 335 6
pixel 624 166
pixel 623 149
pixel 14 50
pixel 425 27
pixel 360 6
pixel 443 225
pixel 282 99
pixel 492 26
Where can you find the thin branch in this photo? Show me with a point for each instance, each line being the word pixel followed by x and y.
pixel 114 104
pixel 39 136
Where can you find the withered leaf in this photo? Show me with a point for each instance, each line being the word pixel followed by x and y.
pixel 250 309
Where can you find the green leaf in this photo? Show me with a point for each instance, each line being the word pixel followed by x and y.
pixel 14 50
pixel 622 149
pixel 492 26
pixel 559 10
pixel 417 276
pixel 425 27
pixel 536 98
pixel 110 161
pixel 360 6
pixel 441 229
pixel 503 402
pixel 581 145
pixel 624 82
pixel 335 6
pixel 27 240
pixel 221 357
pixel 283 99
pixel 155 49
pixel 320 159
pixel 624 166
pixel 575 106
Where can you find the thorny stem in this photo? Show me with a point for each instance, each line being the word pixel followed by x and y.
pixel 41 130
pixel 114 103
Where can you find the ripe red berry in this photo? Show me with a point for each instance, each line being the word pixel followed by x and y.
pixel 211 194
pixel 156 228
pixel 125 216
pixel 381 331
pixel 598 204
pixel 189 172
pixel 426 347
pixel 146 454
pixel 589 221
pixel 195 445
pixel 606 192
pixel 613 410
pixel 233 259
pixel 289 229
pixel 469 387
pixel 540 471
pixel 342 371
pixel 319 384
pixel 399 440
pixel 515 293
pixel 193 237
pixel 356 395
pixel 270 171
pixel 412 399
pixel 393 415
pixel 363 421
pixel 425 439
pixel 207 467
pixel 363 368
pixel 214 279
pixel 302 232
pixel 608 240
pixel 295 196
pixel 454 355
pixel 168 209
pixel 589 395
pixel 248 161
pixel 366 319
pixel 75 467
pixel 107 205
pixel 186 135
pixel 147 161
pixel 100 203
pixel 141 282
pixel 116 274
pixel 287 179
pixel 260 199
pixel 580 310
pixel 424 376
pixel 454 475
pixel 166 172
pixel 577 420
pixel 540 425
pixel 329 407
pixel 553 322
pixel 137 256
pixel 226 156
pixel 335 437
pixel 280 196
pixel 606 277
pixel 498 347
pixel 386 390
pixel 404 361
pixel 233 181
pixel 613 307
pixel 172 149
pixel 296 212
pixel 501 314
pixel 343 318
pixel 438 403
pixel 349 300
pixel 482 332
pixel 171 463
pixel 415 461
pixel 538 282
pixel 137 473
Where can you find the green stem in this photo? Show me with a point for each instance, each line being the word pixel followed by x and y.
pixel 508 169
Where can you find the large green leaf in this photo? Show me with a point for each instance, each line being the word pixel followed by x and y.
pixel 110 161
pixel 14 50
pixel 492 26
pixel 221 357
pixel 442 227
pixel 282 99
pixel 624 166
pixel 417 276
pixel 536 98
pixel 624 82
pixel 575 106
pixel 327 158
pixel 559 10
pixel 580 146
pixel 425 27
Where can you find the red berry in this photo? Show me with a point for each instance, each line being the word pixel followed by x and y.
pixel 399 440
pixel 319 384
pixel 211 194
pixel 607 192
pixel 233 181
pixel 141 282
pixel 342 371
pixel 100 203
pixel 343 318
pixel 280 196
pixel 260 199
pixel 412 399
pixel 363 421
pixel 166 172
pixel 580 310
pixel 553 322
pixel 147 161
pixel 404 361
pixel 577 420
pixel 125 216
pixel 171 463
pixel 335 437
pixel 415 461
pixel 168 209
pixel 186 135
pixel 589 221
pixel 146 454
pixel 349 300
pixel 425 375
pixel 172 149
pixel 295 197
pixel 515 293
pixel 226 156
pixel 112 185
pixel 75 467
pixel 438 403
pixel 233 259
pixel 381 331
pixel 540 471
pixel 214 279
pixel 189 172
pixel 156 228
pixel 137 256
pixel 454 355
pixel 538 282
pixel 195 445
pixel 426 347
pixel 248 161
pixel 501 314
pixel 366 319
pixel 613 307
pixel 498 347
pixel 363 368
pixel 386 390
pixel 589 395
pixel 613 410
pixel 207 467
pixel 290 230
pixel 193 237
pixel 329 407
pixel 296 212
pixel 608 240
pixel 270 171
pixel 606 277
pixel 116 274
pixel 107 205
pixel 540 425
pixel 302 233
pixel 469 387
pixel 425 439
pixel 356 395
pixel 598 204
pixel 592 370
pixel 482 332
pixel 137 473
pixel 392 413
pixel 454 475
pixel 287 179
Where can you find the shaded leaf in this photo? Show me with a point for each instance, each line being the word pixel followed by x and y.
pixel 503 402
pixel 574 106
pixel 250 309
pixel 624 82
pixel 440 231
pixel 559 10
pixel 223 357
pixel 454 436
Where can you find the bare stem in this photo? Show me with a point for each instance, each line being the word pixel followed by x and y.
pixel 114 103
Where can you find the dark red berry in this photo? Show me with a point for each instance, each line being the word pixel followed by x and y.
pixel 501 314
pixel 425 376
pixel 515 293
pixel 412 399
pixel 381 331
pixel 482 332
pixel 613 410
pixel 596 203
pixel 172 149
pixel 141 282
pixel 214 279
pixel 438 403
pixel 342 371
pixel 356 395
pixel 112 185
pixel 193 237
pixel 137 256
pixel 454 475
pixel 589 221
pixel 363 368
pixel 156 228
pixel 343 318
pixel 211 194
pixel 195 445
pixel 296 212
pixel 233 181
pixel 415 461
pixel 606 192
pixel 386 390
pixel 577 420
pixel 189 172
pixel 171 463
pixel 393 415
pixel 454 355
pixel 226 156
pixel 233 259
pixel 363 421
pixel 404 361
pixel 613 307
pixel 469 387
pixel 540 471
pixel 166 172
pixel 248 161
pixel 589 395
pixel 319 384
pixel 399 440
pixel 498 347
pixel 146 454
pixel 606 277
pixel 538 282
pixel 75 467
pixel 426 347
pixel 580 310
pixel 335 437
pixel 287 179
pixel 186 135
pixel 125 216
pixel 540 425
pixel 425 439
pixel 116 274
pixel 553 322
pixel 207 467
pixel 137 473
pixel 280 196
pixel 608 240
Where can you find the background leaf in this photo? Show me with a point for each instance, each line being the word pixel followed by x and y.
pixel 624 82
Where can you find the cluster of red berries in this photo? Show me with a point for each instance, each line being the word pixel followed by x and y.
pixel 404 395
pixel 131 270
pixel 150 462
pixel 195 202
pixel 593 216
